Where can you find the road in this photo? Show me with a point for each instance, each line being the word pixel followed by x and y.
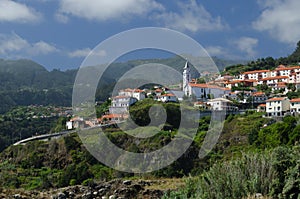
pixel 43 137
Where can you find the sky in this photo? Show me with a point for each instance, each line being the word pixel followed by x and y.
pixel 60 33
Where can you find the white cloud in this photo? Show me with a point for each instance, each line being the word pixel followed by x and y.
pixel 192 17
pixel 281 19
pixel 223 52
pixel 107 9
pixel 11 43
pixel 11 11
pixel 85 52
pixel 247 45
pixel 42 47
pixel 216 50
pixel 15 46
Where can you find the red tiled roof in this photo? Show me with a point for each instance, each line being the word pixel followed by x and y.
pixel 263 105
pixel 250 80
pixel 241 81
pixel 76 119
pixel 276 99
pixel 295 100
pixel 287 68
pixel 110 116
pixel 168 95
pixel 258 93
pixel 281 86
pixel 207 86
pixel 199 85
pixel 199 102
pixel 277 77
pixel 138 90
pixel 235 81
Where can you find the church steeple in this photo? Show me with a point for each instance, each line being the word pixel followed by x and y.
pixel 186 78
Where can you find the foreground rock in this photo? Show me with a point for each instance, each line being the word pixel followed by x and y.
pixel 115 189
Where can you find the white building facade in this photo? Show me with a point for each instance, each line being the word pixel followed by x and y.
pixel 120 104
pixel 221 104
pixel 277 107
pixel 295 106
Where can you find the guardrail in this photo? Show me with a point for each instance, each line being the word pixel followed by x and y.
pixel 41 137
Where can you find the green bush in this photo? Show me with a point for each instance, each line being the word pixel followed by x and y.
pixel 275 173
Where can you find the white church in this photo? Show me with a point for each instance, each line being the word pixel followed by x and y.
pixel 202 92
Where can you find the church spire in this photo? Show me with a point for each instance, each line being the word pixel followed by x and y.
pixel 186 78
pixel 186 65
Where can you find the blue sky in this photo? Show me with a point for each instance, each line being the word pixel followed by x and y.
pixel 59 34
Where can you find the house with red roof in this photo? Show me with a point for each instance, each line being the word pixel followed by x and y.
pixel 136 93
pixel 111 118
pixel 295 106
pixel 259 97
pixel 254 75
pixel 272 81
pixel 261 108
pixel 205 91
pixel 277 106
pixel 168 97
pixel 221 104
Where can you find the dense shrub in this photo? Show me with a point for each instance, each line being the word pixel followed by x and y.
pixel 274 173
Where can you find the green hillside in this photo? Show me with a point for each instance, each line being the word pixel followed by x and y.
pixel 24 82
pixel 247 160
pixel 268 63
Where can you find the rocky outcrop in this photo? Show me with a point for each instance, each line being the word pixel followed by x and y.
pixel 115 189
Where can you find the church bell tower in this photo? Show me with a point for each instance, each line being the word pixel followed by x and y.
pixel 186 79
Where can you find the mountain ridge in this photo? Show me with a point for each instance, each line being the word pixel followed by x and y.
pixel 25 82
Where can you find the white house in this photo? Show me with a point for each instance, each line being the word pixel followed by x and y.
pixel 272 81
pixel 120 104
pixel 259 97
pixel 221 104
pixel 277 107
pixel 261 108
pixel 75 123
pixel 205 91
pixel 295 105
pixel 158 92
pixel 125 92
pixel 255 75
pixel 168 97
pixel 69 125
pixel 136 93
pixel 280 86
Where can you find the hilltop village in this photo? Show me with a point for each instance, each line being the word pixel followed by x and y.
pixel 261 90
